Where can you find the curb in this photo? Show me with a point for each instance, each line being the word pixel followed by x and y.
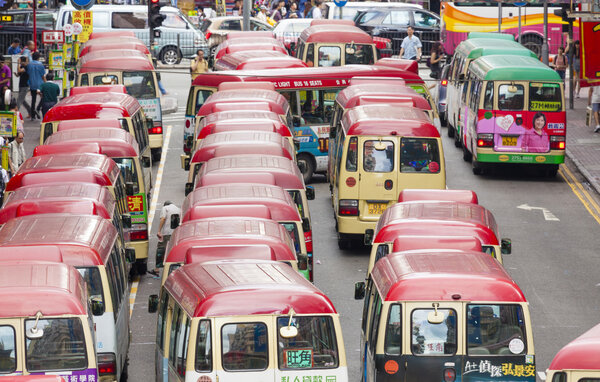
pixel 586 174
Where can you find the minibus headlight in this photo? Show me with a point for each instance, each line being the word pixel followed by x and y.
pixel 348 207
pixel 557 142
pixel 107 363
pixel 485 140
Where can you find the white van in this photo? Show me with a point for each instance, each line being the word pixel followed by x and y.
pixel 349 11
pixel 179 37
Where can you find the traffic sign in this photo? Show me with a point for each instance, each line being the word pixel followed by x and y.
pixel 68 29
pixel 53 37
pixel 81 4
pixel 77 28
pixel 339 3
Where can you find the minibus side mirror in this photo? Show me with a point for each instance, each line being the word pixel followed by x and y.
pixel 130 188
pixel 146 162
pixel 130 255
pixel 310 193
pixel 126 220
pixel 359 290
pixel 435 317
pixel 97 307
pixel 175 221
pixel 34 332
pixel 152 303
pixel 305 225
pixel 369 236
pixel 71 75
pixel 506 246
pixel 189 187
pixel 288 331
pixel 296 121
pixel 461 77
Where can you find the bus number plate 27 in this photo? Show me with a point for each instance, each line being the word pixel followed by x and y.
pixel 509 141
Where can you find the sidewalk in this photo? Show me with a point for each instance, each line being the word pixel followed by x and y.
pixel 583 145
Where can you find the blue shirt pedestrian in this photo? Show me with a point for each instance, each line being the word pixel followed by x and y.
pixel 36 72
pixel 14 50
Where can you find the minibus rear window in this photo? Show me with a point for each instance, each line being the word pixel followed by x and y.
pixel 203 348
pixel 430 339
pixel 545 97
pixel 359 54
pixel 393 331
pixel 127 167
pixel 352 155
pixel 420 155
pixel 495 329
pixel 244 346
pixel 139 85
pixel 8 360
pixel 378 160
pixel 93 281
pixel 511 97
pixel 105 80
pixel 315 346
pixel 62 346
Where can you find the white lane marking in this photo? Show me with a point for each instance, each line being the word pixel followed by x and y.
pixel 155 192
pixel 542 375
pixel 547 214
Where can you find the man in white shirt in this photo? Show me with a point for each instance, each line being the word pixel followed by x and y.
pixel 164 233
pixel 16 153
pixel 411 46
pixel 316 12
pixel 594 100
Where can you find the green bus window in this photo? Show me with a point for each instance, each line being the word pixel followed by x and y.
pixel 393 331
pixel 495 329
pixel 352 155
pixel 244 346
pixel 511 97
pixel 8 358
pixel 429 339
pixel 488 98
pixel 203 347
pixel 545 97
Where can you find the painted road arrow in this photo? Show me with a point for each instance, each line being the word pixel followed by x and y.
pixel 547 214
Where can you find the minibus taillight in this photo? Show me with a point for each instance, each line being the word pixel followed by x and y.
pixel 138 235
pixel 449 375
pixel 485 140
pixel 187 123
pixel 348 207
pixel 444 82
pixel 107 363
pixel 557 142
pixel 155 130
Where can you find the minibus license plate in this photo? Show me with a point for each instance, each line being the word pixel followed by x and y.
pixel 509 141
pixel 377 208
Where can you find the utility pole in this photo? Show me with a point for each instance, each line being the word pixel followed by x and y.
pixel 500 17
pixel 247 5
pixel 545 44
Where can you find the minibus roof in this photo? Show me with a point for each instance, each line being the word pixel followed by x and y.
pixel 277 101
pixel 476 47
pixel 464 196
pixel 229 231
pixel 230 252
pixel 102 105
pixel 278 200
pixel 242 177
pixel 106 45
pixel 413 242
pixel 399 63
pixel 242 142
pixel 88 123
pixel 285 171
pixel 116 60
pixel 580 354
pixel 243 124
pixel 67 148
pixel 258 59
pixel 99 35
pixel 249 85
pixel 387 82
pixel 348 97
pixel 50 206
pixel 114 39
pixel 331 22
pixel 240 115
pixel 83 240
pixel 257 105
pixel 97 89
pixel 442 217
pixel 217 211
pixel 300 78
pixel 386 120
pixel 27 288
pixel 115 143
pixel 512 68
pixel 251 43
pixel 245 287
pixel 444 276
pixel 249 34
pixel 335 33
pixel 93 168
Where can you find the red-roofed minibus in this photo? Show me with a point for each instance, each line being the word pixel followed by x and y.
pixel 245 34
pixel 97 89
pixel 246 320
pixel 463 196
pixel 444 316
pixel 335 45
pixel 380 150
pixel 257 59
pixel 89 243
pixel 45 325
pixel 99 35
pixel 247 44
pixel 314 87
pixel 101 106
pixel 238 143
pixel 441 218
pixel 223 231
pixel 123 149
pixel 281 208
pixel 578 360
pixel 107 44
pixel 134 70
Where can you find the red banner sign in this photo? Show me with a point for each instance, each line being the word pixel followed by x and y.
pixel 590 54
pixel 53 37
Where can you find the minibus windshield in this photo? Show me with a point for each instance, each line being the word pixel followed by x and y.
pixel 545 97
pixel 128 170
pixel 93 281
pixel 62 346
pixel 420 155
pixel 359 54
pixel 139 85
pixel 496 329
pixel 315 346
pixel 8 361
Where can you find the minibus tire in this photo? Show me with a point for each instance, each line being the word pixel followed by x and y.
pixel 344 242
pixel 141 267
pixel 450 131
pixel 124 372
pixel 457 141
pixel 156 154
pixel 309 166
pixel 467 156
pixel 478 168
pixel 551 171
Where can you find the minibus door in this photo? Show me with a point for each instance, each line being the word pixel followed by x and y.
pixel 433 331
pixel 378 176
pixel 244 348
pixel 11 330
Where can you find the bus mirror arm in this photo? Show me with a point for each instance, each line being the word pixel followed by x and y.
pixel 152 303
pixel 289 331
pixel 506 246
pixel 175 221
pixel 359 290
pixel 34 332
pixel 97 307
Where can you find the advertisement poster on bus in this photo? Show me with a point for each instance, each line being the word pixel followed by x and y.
pixel 590 54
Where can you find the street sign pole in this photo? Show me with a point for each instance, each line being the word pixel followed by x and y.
pixel 340 5
pixel 247 5
pixel 519 25
pixel 500 17
pixel 545 44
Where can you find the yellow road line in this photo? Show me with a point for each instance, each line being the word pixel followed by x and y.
pixel 151 213
pixel 582 194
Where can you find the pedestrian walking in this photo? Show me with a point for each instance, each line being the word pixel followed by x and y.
pixel 3 181
pixel 198 65
pixel 560 62
pixel 277 14
pixel 5 76
pixel 437 53
pixel 411 46
pixel 575 61
pixel 49 92
pixel 29 49
pixel 36 71
pixel 23 85
pixel 294 13
pixel 16 153
pixel 317 11
pixel 594 100
pixel 262 15
pixel 164 233
pixel 15 47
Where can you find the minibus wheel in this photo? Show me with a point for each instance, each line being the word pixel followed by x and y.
pixel 156 154
pixel 309 166
pixel 467 156
pixel 450 131
pixel 478 168
pixel 344 242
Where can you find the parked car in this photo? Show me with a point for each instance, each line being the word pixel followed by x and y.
pixel 22 27
pixel 440 97
pixel 215 30
pixel 179 37
pixel 349 11
pixel 288 30
pixel 392 23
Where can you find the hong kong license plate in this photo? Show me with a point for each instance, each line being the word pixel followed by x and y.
pixel 377 208
pixel 509 141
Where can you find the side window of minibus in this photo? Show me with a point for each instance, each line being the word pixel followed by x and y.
pixel 8 363
pixel 382 251
pixel 474 101
pixel 84 80
pixel 204 347
pixel 175 324
pixel 561 377
pixel 352 155
pixel 112 286
pixel 375 316
pixel 488 98
pixel 393 331
pixel 310 55
pixel 162 320
pixel 465 90
pixel 183 334
pixel 339 150
pixel 366 305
